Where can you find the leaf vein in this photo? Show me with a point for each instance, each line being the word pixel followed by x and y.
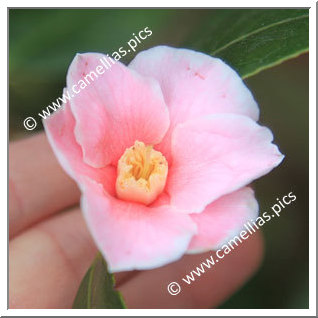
pixel 243 37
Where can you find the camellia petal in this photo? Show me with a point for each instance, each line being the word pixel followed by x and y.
pixel 194 84
pixel 134 236
pixel 59 128
pixel 216 155
pixel 117 108
pixel 223 219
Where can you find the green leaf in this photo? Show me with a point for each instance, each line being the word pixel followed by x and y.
pixel 97 289
pixel 251 40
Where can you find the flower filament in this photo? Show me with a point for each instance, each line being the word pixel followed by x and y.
pixel 141 174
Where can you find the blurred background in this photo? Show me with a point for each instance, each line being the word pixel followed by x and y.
pixel 42 43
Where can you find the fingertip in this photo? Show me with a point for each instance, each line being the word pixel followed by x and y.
pixel 149 288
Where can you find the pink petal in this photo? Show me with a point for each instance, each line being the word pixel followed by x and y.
pixel 59 128
pixel 194 84
pixel 133 236
pixel 223 219
pixel 216 155
pixel 116 109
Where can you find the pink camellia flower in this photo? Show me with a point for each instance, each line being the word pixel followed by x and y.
pixel 162 151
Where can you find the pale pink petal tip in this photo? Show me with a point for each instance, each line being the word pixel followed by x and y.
pixel 216 155
pixel 134 236
pixel 223 219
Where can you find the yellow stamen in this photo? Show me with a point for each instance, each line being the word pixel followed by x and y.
pixel 141 174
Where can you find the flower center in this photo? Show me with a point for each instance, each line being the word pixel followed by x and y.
pixel 141 174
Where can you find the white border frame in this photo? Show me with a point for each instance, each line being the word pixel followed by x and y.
pixel 312 165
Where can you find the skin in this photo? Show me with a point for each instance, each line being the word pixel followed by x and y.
pixel 50 248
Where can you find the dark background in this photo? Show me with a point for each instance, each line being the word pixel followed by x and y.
pixel 42 43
